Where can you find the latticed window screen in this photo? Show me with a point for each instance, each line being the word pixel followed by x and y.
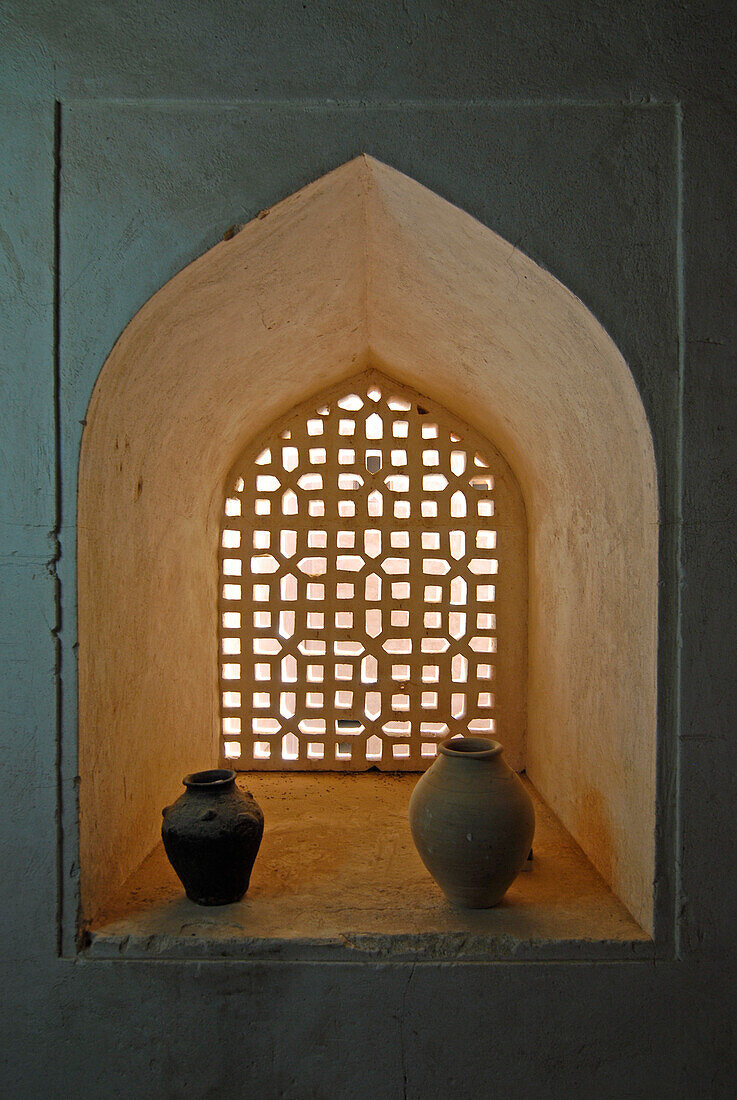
pixel 359 585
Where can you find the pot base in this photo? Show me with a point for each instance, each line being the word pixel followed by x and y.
pixel 475 901
pixel 216 901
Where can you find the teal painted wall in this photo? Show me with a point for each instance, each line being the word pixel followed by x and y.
pixel 599 139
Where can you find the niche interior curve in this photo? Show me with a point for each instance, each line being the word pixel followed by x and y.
pixel 365 269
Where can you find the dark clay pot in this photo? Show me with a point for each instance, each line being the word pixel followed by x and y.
pixel 212 835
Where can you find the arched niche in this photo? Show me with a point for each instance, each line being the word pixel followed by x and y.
pixel 365 268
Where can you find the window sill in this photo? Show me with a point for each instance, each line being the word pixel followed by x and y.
pixel 338 879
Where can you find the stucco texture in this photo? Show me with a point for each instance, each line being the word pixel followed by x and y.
pixel 600 139
pixel 366 264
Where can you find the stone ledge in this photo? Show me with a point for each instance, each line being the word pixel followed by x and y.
pixel 338 879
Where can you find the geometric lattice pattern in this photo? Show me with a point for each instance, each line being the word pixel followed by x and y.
pixel 358 586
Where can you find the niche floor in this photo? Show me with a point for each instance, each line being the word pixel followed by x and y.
pixel 338 877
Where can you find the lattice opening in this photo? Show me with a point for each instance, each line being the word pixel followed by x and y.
pixel 359 563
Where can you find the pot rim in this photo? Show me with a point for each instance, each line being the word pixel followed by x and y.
pixel 474 748
pixel 210 780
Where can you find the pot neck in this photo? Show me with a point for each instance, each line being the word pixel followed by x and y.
pixel 214 781
pixel 471 749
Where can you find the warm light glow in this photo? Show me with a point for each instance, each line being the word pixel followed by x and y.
pixel 343 595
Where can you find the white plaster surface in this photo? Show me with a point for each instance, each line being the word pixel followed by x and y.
pixel 365 266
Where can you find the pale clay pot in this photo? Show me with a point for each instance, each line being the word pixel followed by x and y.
pixel 472 822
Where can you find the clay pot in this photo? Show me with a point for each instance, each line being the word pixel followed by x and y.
pixel 472 822
pixel 212 835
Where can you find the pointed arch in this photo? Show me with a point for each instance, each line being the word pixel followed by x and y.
pixel 366 268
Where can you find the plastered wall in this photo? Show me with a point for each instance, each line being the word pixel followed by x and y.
pixel 406 277
pixel 600 139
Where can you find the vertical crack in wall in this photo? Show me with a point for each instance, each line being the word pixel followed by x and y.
pixel 402 1038
pixel 55 533
pixel 678 898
